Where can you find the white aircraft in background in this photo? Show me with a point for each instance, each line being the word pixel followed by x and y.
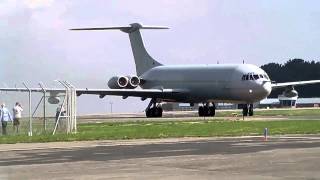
pixel 205 84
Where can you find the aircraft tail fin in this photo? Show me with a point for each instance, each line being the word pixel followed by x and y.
pixel 143 60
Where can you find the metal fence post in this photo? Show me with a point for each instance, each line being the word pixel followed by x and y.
pixel 30 115
pixel 265 134
pixel 44 107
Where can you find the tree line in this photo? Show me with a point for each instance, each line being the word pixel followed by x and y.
pixel 295 70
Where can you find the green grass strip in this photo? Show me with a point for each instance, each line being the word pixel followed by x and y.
pixel 274 112
pixel 150 130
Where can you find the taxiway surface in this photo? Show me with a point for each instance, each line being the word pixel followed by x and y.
pixel 181 158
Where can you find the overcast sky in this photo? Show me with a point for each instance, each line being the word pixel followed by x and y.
pixel 35 44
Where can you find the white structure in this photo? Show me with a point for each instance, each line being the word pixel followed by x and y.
pixel 290 102
pixel 287 101
pixel 70 104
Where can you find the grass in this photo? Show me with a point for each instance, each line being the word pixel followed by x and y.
pixel 149 130
pixel 275 112
pixel 163 129
pixel 37 126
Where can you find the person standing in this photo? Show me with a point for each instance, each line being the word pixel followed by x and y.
pixel 5 116
pixel 17 114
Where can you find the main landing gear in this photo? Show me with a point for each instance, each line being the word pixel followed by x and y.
pixel 247 110
pixel 154 110
pixel 207 110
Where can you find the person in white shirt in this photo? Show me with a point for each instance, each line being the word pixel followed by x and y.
pixel 17 114
pixel 5 116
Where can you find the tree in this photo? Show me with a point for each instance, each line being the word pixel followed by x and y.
pixel 295 70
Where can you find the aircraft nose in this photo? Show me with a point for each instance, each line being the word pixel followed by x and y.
pixel 263 89
pixel 266 88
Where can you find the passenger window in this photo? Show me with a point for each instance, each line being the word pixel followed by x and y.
pixel 256 76
pixel 251 77
pixel 247 77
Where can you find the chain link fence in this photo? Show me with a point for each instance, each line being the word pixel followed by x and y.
pixel 43 117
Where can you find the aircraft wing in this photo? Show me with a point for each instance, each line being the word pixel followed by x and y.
pixel 145 93
pixel 297 83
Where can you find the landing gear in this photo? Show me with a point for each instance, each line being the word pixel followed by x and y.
pixel 212 110
pixel 201 111
pixel 251 110
pixel 207 110
pixel 247 110
pixel 155 110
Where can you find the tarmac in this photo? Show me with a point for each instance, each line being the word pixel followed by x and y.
pixel 280 157
pixel 187 116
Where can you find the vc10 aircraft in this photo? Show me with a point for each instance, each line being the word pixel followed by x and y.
pixel 205 84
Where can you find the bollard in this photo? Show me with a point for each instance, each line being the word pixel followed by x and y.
pixel 265 134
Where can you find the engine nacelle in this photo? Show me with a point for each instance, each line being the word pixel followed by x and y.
pixel 54 100
pixel 290 92
pixel 134 82
pixel 118 82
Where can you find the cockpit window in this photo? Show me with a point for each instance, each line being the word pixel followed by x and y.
pixel 245 77
pixel 266 76
pixel 251 76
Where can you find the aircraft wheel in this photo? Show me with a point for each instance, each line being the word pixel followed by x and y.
pixel 154 112
pixel 201 111
pixel 149 113
pixel 160 112
pixel 212 111
pixel 206 111
pixel 157 112
pixel 251 110
pixel 245 110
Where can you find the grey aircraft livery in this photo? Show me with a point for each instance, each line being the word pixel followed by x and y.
pixel 204 84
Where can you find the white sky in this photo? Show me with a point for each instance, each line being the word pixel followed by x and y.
pixel 35 44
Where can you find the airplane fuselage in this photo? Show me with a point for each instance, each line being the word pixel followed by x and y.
pixel 210 83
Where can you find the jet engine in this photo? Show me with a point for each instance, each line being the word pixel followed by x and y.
pixel 118 82
pixel 290 92
pixel 54 100
pixel 134 82
pixel 121 82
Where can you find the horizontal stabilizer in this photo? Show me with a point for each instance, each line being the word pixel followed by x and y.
pixel 128 29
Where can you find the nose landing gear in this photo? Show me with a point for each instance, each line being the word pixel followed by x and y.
pixel 207 110
pixel 247 110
